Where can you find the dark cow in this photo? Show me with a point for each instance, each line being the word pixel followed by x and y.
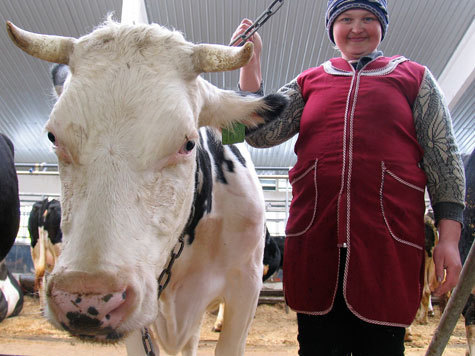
pixel 9 200
pixel 11 296
pixel 272 256
pixel 280 241
pixel 46 236
pixel 466 242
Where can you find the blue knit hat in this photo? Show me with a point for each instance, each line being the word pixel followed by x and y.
pixel 336 7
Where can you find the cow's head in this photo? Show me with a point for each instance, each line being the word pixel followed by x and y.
pixel 125 130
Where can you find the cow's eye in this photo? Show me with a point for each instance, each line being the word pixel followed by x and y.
pixel 189 145
pixel 51 137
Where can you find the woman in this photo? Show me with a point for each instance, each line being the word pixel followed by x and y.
pixel 373 133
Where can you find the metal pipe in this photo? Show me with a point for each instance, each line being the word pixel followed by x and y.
pixel 454 307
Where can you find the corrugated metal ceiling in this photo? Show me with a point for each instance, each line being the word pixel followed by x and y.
pixel 294 39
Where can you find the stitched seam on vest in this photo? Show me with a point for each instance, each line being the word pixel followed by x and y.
pixel 316 199
pixel 350 163
pixel 383 172
pixel 400 180
pixel 342 183
pixel 330 69
pixel 385 70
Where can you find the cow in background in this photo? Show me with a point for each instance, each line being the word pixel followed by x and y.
pixel 466 242
pixel 272 256
pixel 11 295
pixel 139 174
pixel 46 236
pixel 430 280
pixel 431 239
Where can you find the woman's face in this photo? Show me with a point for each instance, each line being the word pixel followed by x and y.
pixel 357 33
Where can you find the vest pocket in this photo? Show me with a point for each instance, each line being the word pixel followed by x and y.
pixel 303 207
pixel 402 208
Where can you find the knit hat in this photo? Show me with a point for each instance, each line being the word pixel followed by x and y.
pixel 336 7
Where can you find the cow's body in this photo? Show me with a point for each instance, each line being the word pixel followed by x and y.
pixel 133 170
pixel 9 200
pixel 11 296
pixel 46 236
pixel 271 260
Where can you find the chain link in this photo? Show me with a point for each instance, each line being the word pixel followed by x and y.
pixel 147 342
pixel 258 23
pixel 167 272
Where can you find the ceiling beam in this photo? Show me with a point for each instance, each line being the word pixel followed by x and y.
pixel 134 12
pixel 459 72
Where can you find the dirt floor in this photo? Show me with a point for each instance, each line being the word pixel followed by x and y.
pixel 273 332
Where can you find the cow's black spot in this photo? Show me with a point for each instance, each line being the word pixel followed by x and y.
pixel 124 295
pixel 92 311
pixel 78 300
pixel 202 201
pixel 65 327
pixel 107 297
pixel 238 154
pixel 275 105
pixel 81 321
pixel 87 337
pixel 113 336
pixel 108 316
pixel 220 162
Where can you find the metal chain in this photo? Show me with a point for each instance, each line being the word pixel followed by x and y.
pixel 167 272
pixel 147 342
pixel 258 23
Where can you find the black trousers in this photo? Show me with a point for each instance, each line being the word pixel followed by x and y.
pixel 341 333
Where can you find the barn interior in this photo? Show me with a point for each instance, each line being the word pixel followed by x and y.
pixel 438 33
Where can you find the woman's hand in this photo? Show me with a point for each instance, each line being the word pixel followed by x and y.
pixel 250 76
pixel 447 256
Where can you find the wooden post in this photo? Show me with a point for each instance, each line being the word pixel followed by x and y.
pixel 454 307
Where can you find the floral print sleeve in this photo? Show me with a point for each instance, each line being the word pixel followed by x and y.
pixel 287 125
pixel 441 161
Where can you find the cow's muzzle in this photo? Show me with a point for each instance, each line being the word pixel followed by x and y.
pixel 90 307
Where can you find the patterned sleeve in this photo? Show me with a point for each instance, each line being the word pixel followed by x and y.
pixel 287 125
pixel 441 161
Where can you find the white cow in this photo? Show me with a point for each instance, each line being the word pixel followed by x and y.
pixel 136 174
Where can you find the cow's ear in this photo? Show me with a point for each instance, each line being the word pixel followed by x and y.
pixel 59 74
pixel 223 108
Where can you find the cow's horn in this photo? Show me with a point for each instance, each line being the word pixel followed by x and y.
pixel 54 49
pixel 217 58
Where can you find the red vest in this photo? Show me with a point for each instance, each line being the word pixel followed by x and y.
pixel 357 184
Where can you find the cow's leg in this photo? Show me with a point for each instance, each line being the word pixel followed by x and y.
pixel 241 303
pixel 191 347
pixel 218 324
pixel 430 308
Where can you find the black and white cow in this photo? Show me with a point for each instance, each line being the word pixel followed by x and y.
pixel 466 242
pixel 138 174
pixel 46 236
pixel 11 296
